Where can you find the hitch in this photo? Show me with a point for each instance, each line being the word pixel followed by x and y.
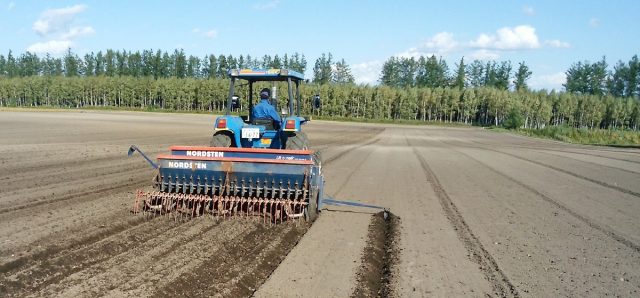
pixel 135 148
pixel 331 201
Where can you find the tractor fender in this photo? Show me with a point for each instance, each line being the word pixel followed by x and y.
pixel 233 126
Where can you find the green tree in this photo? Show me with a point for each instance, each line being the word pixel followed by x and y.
pixel 475 70
pixel 432 72
pixel 11 67
pixel 322 72
pixel 342 73
pixel 521 76
pixel 109 63
pixel 461 74
pixel 390 75
pixel 71 64
pixel 180 64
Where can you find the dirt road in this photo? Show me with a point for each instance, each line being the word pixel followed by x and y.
pixel 481 213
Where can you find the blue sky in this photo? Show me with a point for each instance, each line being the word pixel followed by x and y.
pixel 548 35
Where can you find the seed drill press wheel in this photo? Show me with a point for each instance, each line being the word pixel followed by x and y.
pixel 311 212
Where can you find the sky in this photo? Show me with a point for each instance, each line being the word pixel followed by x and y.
pixel 549 36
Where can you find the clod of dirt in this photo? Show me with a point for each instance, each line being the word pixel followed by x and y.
pixel 375 275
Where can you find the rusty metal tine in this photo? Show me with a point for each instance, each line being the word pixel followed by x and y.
pixel 193 207
pixel 219 200
pixel 211 209
pixel 268 203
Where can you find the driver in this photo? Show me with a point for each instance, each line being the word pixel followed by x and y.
pixel 264 109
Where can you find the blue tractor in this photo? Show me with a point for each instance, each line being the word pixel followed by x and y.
pixel 246 132
pixel 253 166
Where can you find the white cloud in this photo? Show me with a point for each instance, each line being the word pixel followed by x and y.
pixel 554 43
pixel 211 34
pixel 207 34
pixel 484 54
pixel 76 32
pixel 440 44
pixel 266 5
pixel 548 81
pixel 52 47
pixel 11 5
pixel 528 10
pixel 414 53
pixel 594 22
pixel 56 25
pixel 367 72
pixel 56 20
pixel 507 38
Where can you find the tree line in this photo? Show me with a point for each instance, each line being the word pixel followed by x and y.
pixel 423 89
pixel 158 64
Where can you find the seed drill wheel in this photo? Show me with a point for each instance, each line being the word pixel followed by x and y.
pixel 221 139
pixel 311 212
pixel 297 141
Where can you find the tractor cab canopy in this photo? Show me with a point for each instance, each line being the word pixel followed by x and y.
pixel 293 78
pixel 274 74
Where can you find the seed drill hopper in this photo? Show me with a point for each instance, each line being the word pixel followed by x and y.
pixel 252 168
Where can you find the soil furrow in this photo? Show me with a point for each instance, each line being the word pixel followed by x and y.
pixel 499 281
pixel 376 274
pixel 55 267
pixel 91 194
pixel 152 262
pixel 79 242
pixel 241 265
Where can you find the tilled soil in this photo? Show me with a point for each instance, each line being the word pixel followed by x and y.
pixel 483 214
pixel 65 199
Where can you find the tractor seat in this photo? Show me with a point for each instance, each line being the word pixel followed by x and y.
pixel 267 122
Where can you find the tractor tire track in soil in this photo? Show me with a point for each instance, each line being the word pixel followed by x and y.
pixel 377 273
pixel 570 173
pixel 605 230
pixel 500 283
pixel 372 140
pixel 538 148
pixel 550 152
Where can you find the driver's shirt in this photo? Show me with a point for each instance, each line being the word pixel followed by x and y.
pixel 264 110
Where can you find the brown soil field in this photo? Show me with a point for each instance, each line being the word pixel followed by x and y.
pixel 476 213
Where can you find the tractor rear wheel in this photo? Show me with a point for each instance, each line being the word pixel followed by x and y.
pixel 297 141
pixel 221 140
